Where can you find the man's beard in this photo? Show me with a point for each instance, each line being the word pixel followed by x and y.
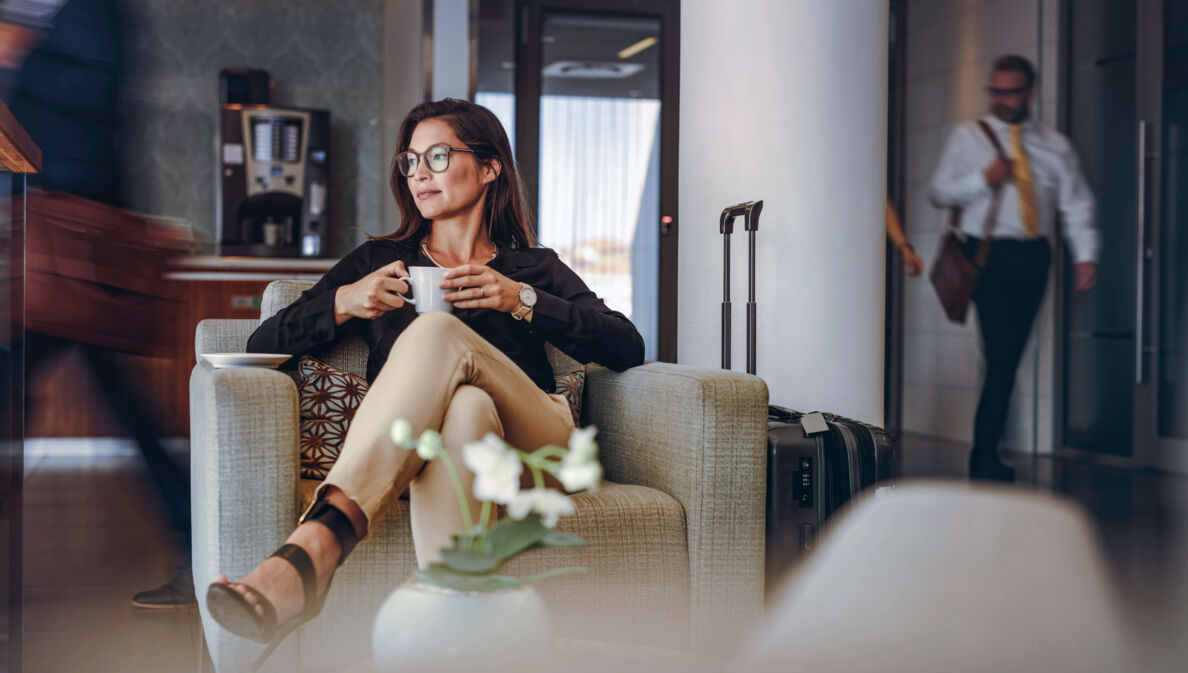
pixel 1011 115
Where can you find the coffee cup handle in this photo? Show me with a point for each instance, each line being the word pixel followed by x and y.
pixel 407 281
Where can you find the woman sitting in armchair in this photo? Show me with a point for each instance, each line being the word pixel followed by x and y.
pixel 480 369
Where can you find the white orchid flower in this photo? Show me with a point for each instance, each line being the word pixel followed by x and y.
pixel 495 443
pixel 579 468
pixel 402 433
pixel 429 445
pixel 580 475
pixel 582 446
pixel 480 456
pixel 549 503
pixel 496 469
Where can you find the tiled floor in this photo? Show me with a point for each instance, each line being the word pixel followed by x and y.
pixel 93 538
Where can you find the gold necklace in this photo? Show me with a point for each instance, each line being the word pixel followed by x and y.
pixel 425 249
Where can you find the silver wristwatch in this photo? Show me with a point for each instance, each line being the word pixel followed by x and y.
pixel 527 302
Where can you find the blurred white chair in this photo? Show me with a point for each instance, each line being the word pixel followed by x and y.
pixel 933 577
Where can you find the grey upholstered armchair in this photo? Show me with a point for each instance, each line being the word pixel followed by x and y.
pixel 674 544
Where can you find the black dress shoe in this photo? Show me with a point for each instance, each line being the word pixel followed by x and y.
pixel 989 467
pixel 177 594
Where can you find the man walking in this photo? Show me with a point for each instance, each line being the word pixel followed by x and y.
pixel 1022 193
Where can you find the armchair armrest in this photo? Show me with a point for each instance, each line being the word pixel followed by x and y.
pixel 223 335
pixel 244 479
pixel 699 435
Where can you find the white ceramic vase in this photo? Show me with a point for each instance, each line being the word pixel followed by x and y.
pixel 428 629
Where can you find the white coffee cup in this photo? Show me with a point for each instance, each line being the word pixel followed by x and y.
pixel 425 284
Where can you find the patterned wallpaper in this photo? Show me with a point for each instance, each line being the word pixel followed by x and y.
pixel 321 54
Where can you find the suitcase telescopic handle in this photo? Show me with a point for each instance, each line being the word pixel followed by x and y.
pixel 726 227
pixel 749 211
pixel 751 225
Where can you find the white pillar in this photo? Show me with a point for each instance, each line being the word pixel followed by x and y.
pixel 405 62
pixel 403 87
pixel 786 101
pixel 451 49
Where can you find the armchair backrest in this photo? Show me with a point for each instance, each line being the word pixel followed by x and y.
pixel 351 354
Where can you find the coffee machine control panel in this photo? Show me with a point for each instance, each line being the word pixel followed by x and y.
pixel 275 160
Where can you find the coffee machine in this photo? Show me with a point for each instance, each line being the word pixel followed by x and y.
pixel 274 179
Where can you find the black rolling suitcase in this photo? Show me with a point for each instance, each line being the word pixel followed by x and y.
pixel 815 462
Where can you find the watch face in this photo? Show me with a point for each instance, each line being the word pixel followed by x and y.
pixel 527 296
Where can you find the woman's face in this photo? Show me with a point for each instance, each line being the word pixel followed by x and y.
pixel 457 189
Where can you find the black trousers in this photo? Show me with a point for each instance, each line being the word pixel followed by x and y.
pixel 1007 297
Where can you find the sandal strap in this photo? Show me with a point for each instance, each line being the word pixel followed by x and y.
pixel 299 559
pixel 339 523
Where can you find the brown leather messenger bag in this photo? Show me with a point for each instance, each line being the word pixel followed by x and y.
pixel 954 275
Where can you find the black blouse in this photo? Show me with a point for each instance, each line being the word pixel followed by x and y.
pixel 567 315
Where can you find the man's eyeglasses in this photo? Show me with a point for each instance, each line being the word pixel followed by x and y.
pixel 994 91
pixel 437 159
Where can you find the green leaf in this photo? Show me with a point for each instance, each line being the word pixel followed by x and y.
pixel 470 562
pixel 442 576
pixel 510 537
pixel 556 538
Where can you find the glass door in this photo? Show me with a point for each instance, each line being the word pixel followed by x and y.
pixel 1123 376
pixel 1162 391
pixel 595 117
pixel 1097 358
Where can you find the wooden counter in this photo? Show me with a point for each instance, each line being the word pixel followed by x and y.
pixel 18 152
pixel 66 404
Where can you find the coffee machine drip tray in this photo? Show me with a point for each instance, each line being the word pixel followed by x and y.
pixel 267 226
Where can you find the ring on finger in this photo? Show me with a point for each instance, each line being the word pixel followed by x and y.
pixel 482 291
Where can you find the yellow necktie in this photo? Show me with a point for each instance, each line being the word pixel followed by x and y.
pixel 1024 183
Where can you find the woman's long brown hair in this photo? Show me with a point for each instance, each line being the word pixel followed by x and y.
pixel 505 210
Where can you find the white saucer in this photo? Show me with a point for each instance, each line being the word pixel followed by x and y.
pixel 224 360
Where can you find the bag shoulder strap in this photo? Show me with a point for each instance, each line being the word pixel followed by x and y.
pixel 993 138
pixel 983 251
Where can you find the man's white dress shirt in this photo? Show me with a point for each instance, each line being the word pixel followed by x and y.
pixel 1059 184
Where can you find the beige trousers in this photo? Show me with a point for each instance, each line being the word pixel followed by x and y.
pixel 440 374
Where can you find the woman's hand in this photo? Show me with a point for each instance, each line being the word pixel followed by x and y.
pixel 483 286
pixel 914 265
pixel 372 295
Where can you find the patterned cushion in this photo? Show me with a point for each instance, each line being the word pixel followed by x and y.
pixel 328 398
pixel 570 385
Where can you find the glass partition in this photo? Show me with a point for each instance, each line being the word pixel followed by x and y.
pixel 12 271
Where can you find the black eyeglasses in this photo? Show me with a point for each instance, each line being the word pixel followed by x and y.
pixel 437 159
pixel 994 91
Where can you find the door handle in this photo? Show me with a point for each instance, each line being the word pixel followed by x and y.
pixel 1141 252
